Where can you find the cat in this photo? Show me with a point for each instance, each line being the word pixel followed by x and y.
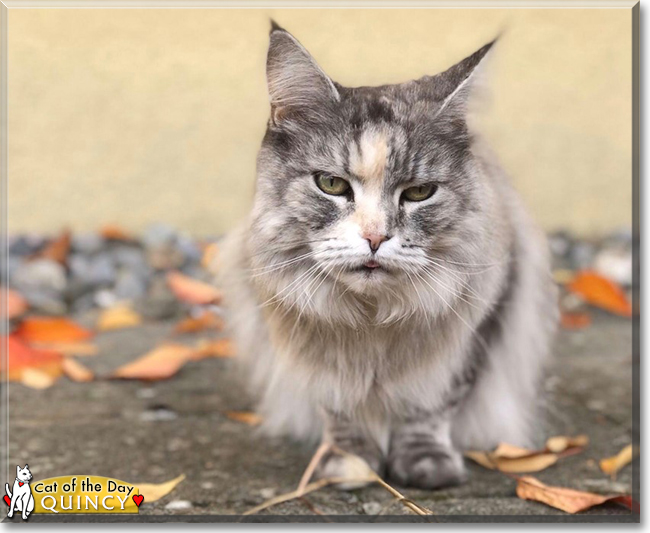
pixel 21 498
pixel 388 291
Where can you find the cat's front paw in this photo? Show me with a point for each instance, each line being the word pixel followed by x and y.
pixel 430 469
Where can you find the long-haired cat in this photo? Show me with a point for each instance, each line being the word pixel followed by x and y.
pixel 388 290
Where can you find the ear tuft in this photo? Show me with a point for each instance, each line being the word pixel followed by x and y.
pixel 276 27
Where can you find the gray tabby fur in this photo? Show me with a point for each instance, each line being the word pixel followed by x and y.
pixel 443 348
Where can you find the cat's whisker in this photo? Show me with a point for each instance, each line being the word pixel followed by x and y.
pixel 471 293
pixel 456 293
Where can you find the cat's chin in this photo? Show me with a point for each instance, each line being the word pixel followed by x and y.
pixel 366 280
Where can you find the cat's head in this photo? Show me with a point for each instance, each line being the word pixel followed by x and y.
pixel 365 188
pixel 23 474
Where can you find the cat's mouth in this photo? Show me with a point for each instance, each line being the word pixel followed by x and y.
pixel 370 267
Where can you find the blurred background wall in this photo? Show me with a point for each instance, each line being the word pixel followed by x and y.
pixel 139 116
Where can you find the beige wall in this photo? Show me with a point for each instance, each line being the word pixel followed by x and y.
pixel 136 116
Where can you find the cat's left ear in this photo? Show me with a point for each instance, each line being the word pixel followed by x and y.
pixel 455 85
pixel 298 87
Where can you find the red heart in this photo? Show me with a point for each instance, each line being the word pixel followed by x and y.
pixel 20 484
pixel 137 498
pixel 7 500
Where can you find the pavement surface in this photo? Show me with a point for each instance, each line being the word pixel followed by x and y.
pixel 153 432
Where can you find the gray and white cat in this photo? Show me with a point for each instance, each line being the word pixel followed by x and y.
pixel 388 290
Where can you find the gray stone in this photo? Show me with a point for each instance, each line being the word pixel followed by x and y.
pixel 25 244
pixel 40 274
pixel 179 505
pixel 372 508
pixel 165 257
pixel 88 243
pixel 130 286
pixel 160 303
pixel 581 255
pixel 159 235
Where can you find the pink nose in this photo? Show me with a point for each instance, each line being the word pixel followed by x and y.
pixel 375 240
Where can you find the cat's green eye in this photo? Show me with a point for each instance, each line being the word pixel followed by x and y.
pixel 332 184
pixel 419 193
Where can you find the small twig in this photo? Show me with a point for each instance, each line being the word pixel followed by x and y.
pixel 311 467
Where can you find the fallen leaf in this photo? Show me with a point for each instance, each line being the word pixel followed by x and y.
pixel 560 443
pixel 206 320
pixel 514 465
pixel 16 304
pixel 515 459
pixel 575 320
pixel 601 292
pixel 218 348
pixel 51 330
pixel 113 232
pixel 58 249
pixel 37 379
pixel 161 363
pixel 568 500
pixel 611 465
pixel 154 491
pixel 246 417
pixel 210 257
pixel 68 348
pixel 30 366
pixel 76 371
pixel 192 290
pixel 118 317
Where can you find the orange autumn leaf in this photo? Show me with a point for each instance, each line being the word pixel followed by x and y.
pixel 601 292
pixel 161 363
pixel 210 256
pixel 16 304
pixel 118 317
pixel 246 417
pixel 113 232
pixel 206 320
pixel 218 348
pixel 58 249
pixel 25 362
pixel 575 320
pixel 611 465
pixel 76 371
pixel 192 290
pixel 568 500
pixel 51 329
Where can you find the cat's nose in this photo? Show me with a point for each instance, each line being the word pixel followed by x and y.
pixel 375 240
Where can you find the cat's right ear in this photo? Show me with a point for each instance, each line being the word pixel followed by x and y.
pixel 298 87
pixel 17 469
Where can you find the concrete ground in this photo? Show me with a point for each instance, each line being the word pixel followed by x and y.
pixel 152 432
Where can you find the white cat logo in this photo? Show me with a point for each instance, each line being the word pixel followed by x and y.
pixel 21 498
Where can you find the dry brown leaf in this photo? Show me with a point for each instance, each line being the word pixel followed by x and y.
pixel 68 348
pixel 561 443
pixel 40 329
pixel 161 363
pixel 118 317
pixel 611 465
pixel 192 290
pixel 246 417
pixel 206 320
pixel 218 348
pixel 16 304
pixel 575 320
pixel 154 491
pixel 568 500
pixel 533 462
pixel 76 371
pixel 510 451
pixel 58 249
pixel 601 292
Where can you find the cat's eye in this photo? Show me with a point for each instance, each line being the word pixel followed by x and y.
pixel 332 184
pixel 419 193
